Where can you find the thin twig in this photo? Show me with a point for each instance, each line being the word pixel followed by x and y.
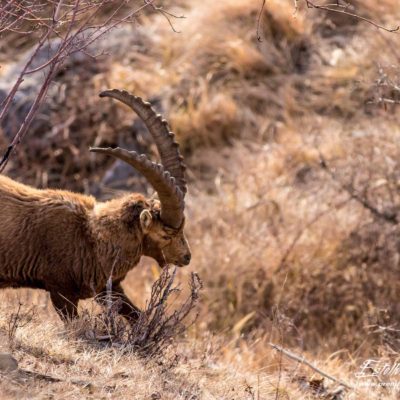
pixel 339 10
pixel 386 216
pixel 302 360
pixel 259 20
pixel 53 379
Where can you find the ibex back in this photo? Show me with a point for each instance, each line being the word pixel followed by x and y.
pixel 70 244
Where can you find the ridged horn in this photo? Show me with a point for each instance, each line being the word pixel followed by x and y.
pixel 158 127
pixel 171 197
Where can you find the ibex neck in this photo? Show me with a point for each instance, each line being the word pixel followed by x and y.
pixel 118 241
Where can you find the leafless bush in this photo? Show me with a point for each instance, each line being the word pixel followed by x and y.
pixel 17 320
pixel 58 30
pixel 156 326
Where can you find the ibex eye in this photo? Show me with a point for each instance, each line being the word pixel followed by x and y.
pixel 166 237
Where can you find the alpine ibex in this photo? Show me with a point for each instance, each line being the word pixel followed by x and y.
pixel 69 244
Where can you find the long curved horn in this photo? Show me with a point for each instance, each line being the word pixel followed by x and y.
pixel 158 127
pixel 171 197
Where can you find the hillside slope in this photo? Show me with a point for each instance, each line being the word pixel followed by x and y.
pixel 293 207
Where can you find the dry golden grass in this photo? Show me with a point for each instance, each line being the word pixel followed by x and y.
pixel 201 367
pixel 204 367
pixel 285 255
pixel 298 241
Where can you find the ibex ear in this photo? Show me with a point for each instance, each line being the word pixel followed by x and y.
pixel 146 220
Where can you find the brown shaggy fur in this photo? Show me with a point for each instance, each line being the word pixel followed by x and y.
pixel 69 244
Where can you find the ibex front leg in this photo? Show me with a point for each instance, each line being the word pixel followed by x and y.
pixel 66 306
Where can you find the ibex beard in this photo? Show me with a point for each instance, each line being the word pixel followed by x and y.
pixel 71 245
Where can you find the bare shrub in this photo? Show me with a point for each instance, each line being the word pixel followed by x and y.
pixel 57 31
pixel 16 320
pixel 161 321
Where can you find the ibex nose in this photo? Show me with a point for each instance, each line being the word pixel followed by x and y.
pixel 186 259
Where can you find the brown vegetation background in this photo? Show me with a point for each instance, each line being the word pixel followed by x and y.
pixel 292 144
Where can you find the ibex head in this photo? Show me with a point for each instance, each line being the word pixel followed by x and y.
pixel 162 242
pixel 163 221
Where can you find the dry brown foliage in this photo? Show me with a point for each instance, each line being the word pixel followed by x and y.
pixel 288 251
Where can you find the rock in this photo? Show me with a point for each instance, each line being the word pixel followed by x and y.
pixel 7 363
